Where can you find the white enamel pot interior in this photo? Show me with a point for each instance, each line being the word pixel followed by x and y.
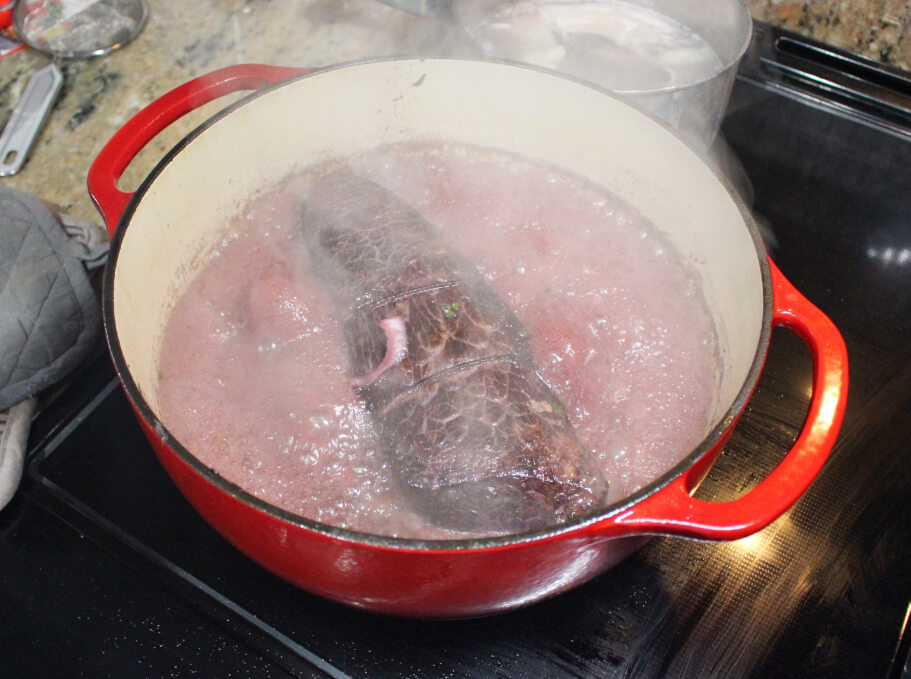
pixel 519 110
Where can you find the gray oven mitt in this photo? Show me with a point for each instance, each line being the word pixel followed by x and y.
pixel 49 314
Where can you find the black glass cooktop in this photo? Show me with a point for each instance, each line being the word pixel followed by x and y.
pixel 106 571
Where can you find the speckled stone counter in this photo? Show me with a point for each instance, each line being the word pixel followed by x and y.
pixel 876 29
pixel 185 39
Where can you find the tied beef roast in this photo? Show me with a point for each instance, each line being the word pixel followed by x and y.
pixel 475 437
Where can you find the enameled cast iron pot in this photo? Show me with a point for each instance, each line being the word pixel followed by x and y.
pixel 295 118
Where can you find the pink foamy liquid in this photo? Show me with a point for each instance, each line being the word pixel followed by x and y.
pixel 253 372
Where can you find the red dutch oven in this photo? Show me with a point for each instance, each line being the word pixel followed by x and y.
pixel 293 118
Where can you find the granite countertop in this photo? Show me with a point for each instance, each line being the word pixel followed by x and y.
pixel 183 40
pixel 876 29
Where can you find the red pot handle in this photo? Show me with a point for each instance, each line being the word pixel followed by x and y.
pixel 139 130
pixel 6 13
pixel 672 511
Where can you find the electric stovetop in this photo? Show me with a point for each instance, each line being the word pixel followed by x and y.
pixel 105 571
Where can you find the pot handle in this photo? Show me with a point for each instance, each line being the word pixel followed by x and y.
pixel 139 130
pixel 672 511
pixel 6 13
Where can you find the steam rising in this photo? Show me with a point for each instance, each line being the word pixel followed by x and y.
pixel 615 349
pixel 617 327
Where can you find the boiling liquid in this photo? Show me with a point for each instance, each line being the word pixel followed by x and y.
pixel 252 370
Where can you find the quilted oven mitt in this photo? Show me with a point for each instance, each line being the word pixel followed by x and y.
pixel 49 314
